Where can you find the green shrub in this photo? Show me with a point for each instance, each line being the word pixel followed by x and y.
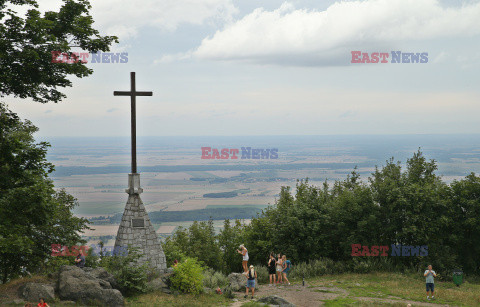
pixel 262 274
pixel 131 277
pixel 188 277
pixel 228 293
pixel 53 264
pixel 92 260
pixel 213 280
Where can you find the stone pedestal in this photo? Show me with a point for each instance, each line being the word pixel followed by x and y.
pixel 136 230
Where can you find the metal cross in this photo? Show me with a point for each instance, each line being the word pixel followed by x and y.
pixel 133 94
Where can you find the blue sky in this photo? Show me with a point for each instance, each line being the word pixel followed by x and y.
pixel 224 67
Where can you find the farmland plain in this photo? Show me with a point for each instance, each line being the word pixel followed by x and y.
pixel 176 180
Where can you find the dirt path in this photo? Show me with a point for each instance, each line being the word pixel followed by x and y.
pixel 295 294
pixel 314 296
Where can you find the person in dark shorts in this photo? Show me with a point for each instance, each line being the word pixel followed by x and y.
pixel 251 277
pixel 271 268
pixel 80 260
pixel 430 274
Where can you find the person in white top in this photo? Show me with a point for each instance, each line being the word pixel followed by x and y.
pixel 244 253
pixel 430 274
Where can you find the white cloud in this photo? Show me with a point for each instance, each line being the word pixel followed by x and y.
pixel 125 18
pixel 305 37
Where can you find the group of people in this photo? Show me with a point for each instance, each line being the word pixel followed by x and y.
pixel 278 269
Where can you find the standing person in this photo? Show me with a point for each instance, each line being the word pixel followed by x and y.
pixel 80 260
pixel 286 268
pixel 279 264
pixel 42 303
pixel 251 277
pixel 430 274
pixel 244 253
pixel 271 268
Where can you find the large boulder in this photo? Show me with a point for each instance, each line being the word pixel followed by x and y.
pixel 161 283
pixel 77 285
pixel 275 300
pixel 237 281
pixel 34 291
pixel 158 284
pixel 102 274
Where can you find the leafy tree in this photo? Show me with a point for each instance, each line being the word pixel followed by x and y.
pixel 27 43
pixel 32 214
pixel 229 239
pixel 410 206
pixel 463 231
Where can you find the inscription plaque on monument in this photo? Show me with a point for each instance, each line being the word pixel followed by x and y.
pixel 138 223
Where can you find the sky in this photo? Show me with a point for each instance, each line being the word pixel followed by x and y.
pixel 243 67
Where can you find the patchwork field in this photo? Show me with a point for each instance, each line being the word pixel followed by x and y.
pixel 175 179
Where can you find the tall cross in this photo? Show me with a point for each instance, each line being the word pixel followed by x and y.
pixel 133 94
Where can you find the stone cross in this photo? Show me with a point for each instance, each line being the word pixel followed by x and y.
pixel 136 229
pixel 133 95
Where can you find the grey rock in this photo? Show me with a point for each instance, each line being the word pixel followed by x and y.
pixel 101 273
pixel 157 284
pixel 75 284
pixel 34 291
pixel 275 300
pixel 237 281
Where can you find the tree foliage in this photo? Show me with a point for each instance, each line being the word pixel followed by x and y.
pixel 199 241
pixel 27 43
pixel 398 204
pixel 33 215
pixel 410 206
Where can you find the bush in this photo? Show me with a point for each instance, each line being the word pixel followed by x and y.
pixel 53 264
pixel 262 274
pixel 213 280
pixel 228 293
pixel 131 277
pixel 188 277
pixel 91 259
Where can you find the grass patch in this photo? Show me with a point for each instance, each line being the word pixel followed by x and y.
pixel 401 286
pixel 182 300
pixel 339 301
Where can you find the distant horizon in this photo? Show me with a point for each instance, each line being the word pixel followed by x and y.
pixel 265 135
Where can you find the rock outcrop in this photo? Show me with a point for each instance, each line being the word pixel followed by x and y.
pixel 34 291
pixel 237 281
pixel 91 286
